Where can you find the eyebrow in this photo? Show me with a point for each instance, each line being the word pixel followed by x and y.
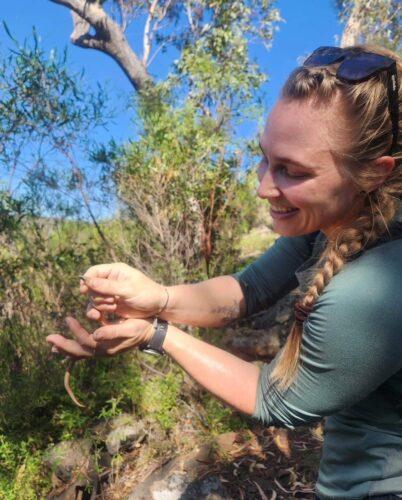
pixel 283 159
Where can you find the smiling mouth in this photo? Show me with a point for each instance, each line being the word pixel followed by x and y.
pixel 282 210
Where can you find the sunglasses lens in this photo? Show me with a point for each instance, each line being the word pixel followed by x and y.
pixel 363 66
pixel 324 55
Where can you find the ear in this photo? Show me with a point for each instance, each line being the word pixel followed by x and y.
pixel 383 166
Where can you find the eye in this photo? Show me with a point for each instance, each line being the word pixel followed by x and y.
pixel 287 172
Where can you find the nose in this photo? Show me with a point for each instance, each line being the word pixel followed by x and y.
pixel 267 187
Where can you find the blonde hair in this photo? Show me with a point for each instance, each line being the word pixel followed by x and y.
pixel 365 107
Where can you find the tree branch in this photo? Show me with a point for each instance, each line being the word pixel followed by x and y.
pixel 81 28
pixel 123 15
pixel 148 33
pixel 189 13
pixel 109 38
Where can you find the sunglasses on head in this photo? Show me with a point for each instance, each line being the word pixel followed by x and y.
pixel 356 66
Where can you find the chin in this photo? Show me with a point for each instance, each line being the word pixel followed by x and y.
pixel 282 230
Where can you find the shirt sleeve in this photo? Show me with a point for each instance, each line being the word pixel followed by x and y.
pixel 351 344
pixel 272 275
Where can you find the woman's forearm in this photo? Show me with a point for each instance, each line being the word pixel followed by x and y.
pixel 212 303
pixel 231 379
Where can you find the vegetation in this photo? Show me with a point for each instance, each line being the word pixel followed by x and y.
pixel 179 201
pixel 372 21
pixel 182 179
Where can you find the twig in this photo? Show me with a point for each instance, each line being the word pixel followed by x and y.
pixel 260 491
pixel 280 486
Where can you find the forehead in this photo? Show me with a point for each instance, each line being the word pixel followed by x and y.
pixel 300 129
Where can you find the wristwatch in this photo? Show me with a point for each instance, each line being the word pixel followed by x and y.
pixel 154 346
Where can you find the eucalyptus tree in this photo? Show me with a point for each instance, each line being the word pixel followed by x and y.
pixel 180 180
pixel 103 25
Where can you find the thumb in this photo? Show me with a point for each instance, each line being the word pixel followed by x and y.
pixel 105 286
pixel 108 332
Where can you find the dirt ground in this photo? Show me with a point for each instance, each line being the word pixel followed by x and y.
pixel 260 463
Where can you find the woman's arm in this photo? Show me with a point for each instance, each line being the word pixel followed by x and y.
pixel 212 303
pixel 127 292
pixel 231 379
pixel 218 301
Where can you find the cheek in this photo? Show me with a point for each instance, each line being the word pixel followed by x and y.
pixel 306 193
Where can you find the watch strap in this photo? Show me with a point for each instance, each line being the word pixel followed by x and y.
pixel 155 344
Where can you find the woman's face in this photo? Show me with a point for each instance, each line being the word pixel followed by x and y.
pixel 299 176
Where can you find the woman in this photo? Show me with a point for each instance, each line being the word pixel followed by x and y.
pixel 331 171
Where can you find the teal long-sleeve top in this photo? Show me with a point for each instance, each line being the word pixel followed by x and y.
pixel 350 365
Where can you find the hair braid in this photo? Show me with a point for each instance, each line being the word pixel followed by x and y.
pixel 366 105
pixel 348 243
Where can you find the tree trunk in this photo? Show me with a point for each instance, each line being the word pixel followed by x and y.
pixel 350 35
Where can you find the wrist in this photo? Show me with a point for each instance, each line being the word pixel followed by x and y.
pixel 163 301
pixel 149 332
pixel 174 340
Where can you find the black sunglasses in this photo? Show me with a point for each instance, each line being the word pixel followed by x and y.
pixel 357 66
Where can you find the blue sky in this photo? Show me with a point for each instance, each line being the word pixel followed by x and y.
pixel 308 24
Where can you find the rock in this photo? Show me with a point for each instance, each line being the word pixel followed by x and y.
pixel 279 314
pixel 122 419
pixel 178 480
pixel 262 335
pixel 100 431
pixel 178 487
pixel 126 430
pixel 71 460
pixel 250 344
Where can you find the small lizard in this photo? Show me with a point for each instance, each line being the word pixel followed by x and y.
pixel 71 362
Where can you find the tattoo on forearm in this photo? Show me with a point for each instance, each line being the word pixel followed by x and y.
pixel 228 314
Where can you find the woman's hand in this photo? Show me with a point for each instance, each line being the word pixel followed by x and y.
pixel 122 290
pixel 107 340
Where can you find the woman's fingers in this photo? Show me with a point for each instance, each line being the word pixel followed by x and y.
pixel 138 330
pixel 111 332
pixel 80 334
pixel 104 307
pixel 103 286
pixel 101 299
pixel 99 271
pixel 113 339
pixel 113 347
pixel 69 347
pixel 102 270
pixel 93 313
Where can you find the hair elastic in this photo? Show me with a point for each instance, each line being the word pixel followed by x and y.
pixel 302 312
